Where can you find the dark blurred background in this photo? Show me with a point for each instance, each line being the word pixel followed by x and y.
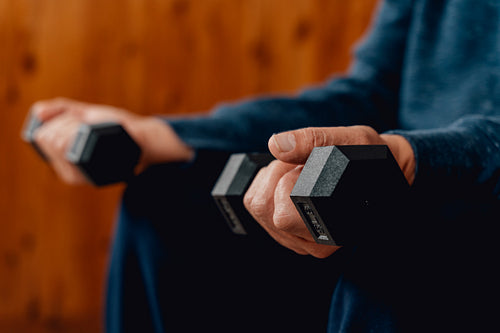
pixel 148 56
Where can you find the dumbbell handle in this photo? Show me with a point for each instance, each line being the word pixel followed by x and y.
pixel 32 124
pixel 233 182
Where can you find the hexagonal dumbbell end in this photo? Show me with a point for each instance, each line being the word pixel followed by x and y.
pixel 104 153
pixel 349 194
pixel 233 182
pixel 28 132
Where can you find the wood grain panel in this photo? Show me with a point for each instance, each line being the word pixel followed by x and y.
pixel 149 56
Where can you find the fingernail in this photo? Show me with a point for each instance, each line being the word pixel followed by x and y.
pixel 285 142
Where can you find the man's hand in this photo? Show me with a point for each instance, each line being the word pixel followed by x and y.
pixel 268 201
pixel 268 198
pixel 62 117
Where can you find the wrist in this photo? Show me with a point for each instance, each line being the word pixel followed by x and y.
pixel 158 141
pixel 403 153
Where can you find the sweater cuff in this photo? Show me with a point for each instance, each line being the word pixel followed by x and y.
pixel 454 159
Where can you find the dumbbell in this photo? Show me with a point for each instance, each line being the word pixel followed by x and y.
pixel 344 194
pixel 350 194
pixel 105 153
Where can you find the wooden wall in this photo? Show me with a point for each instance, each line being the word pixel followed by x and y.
pixel 149 56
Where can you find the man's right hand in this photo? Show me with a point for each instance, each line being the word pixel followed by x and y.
pixel 268 197
pixel 62 118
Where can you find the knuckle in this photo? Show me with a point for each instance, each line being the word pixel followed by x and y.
pixel 318 137
pixel 258 206
pixel 272 167
pixel 255 204
pixel 310 137
pixel 37 108
pixel 314 137
pixel 247 200
pixel 282 222
pixel 365 134
pixel 272 171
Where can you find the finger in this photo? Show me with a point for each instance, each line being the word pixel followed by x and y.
pixel 259 199
pixel 286 217
pixel 296 146
pixel 48 109
pixel 253 189
pixel 300 245
pixel 69 173
pixel 54 136
pixel 54 139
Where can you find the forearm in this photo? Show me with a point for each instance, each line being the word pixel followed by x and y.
pixel 247 126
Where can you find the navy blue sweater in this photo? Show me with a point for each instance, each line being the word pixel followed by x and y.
pixel 428 70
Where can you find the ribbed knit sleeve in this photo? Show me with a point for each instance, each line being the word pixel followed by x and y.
pixel 460 160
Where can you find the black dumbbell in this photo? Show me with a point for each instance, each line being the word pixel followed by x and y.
pixel 342 193
pixel 231 186
pixel 349 195
pixel 105 153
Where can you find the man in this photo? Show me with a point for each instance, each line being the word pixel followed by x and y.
pixel 427 79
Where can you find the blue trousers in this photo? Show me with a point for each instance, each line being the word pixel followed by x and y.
pixel 175 265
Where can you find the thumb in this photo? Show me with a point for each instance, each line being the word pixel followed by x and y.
pixel 296 146
pixel 48 109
